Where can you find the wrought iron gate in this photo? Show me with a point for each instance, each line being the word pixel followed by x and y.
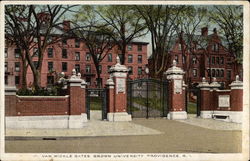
pixel 96 97
pixel 147 98
pixel 195 92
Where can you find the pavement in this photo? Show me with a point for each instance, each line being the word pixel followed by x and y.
pixel 97 127
pixel 211 123
pixel 175 137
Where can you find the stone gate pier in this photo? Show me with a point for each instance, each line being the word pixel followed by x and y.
pixel 117 93
pixel 176 97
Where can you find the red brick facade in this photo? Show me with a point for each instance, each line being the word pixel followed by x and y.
pixel 66 55
pixel 209 58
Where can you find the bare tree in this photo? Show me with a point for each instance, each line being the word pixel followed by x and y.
pixel 126 23
pixel 96 36
pixel 230 21
pixel 32 27
pixel 160 21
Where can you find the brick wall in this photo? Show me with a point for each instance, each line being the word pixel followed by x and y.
pixel 36 106
pixel 210 100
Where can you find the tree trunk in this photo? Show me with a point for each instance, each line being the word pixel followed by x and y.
pixel 24 74
pixel 37 80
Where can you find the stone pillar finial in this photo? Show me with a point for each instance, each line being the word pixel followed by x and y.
pixel 73 72
pixel 174 63
pixel 237 78
pixel 203 79
pixel 79 75
pixel 118 61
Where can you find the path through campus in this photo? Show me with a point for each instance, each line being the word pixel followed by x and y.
pixel 175 136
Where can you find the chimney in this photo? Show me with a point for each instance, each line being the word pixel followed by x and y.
pixel 215 31
pixel 66 25
pixel 204 31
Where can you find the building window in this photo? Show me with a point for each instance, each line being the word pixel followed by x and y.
pixel 17 53
pixel 229 61
pixel 77 68
pixel 35 52
pixel 100 68
pixel 6 80
pixel 229 74
pixel 130 58
pixel 183 59
pixel 17 66
pixel 64 41
pixel 77 56
pixel 215 47
pixel 109 57
pixel 50 80
pixel 217 60
pixel 77 43
pixel 50 52
pixel 64 53
pixel 35 64
pixel 222 73
pixel 208 60
pixel 213 60
pixel 217 74
pixel 194 72
pixel 64 66
pixel 88 56
pixel 129 47
pixel 176 58
pixel 6 66
pixel 221 60
pixel 50 66
pixel 194 60
pixel 179 47
pixel 209 73
pixel 139 70
pixel 17 80
pixel 139 47
pixel 6 52
pixel 213 72
pixel 130 70
pixel 139 58
pixel 88 69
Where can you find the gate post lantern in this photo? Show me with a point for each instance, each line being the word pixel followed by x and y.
pixel 206 111
pixel 118 74
pixel 77 109
pixel 176 93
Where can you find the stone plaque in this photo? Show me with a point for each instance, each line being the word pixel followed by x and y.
pixel 177 86
pixel 224 101
pixel 120 85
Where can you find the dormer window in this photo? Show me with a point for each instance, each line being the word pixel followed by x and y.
pixel 215 47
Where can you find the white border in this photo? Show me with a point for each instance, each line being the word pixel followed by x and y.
pixel 194 156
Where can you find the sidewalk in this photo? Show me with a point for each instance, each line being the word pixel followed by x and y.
pixel 96 127
pixel 211 123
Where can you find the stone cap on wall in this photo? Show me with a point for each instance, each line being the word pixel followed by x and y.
pixel 215 84
pixel 174 70
pixel 237 83
pixel 10 90
pixel 204 83
pixel 118 67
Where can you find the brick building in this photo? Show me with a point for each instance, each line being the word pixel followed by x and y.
pixel 209 58
pixel 65 55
